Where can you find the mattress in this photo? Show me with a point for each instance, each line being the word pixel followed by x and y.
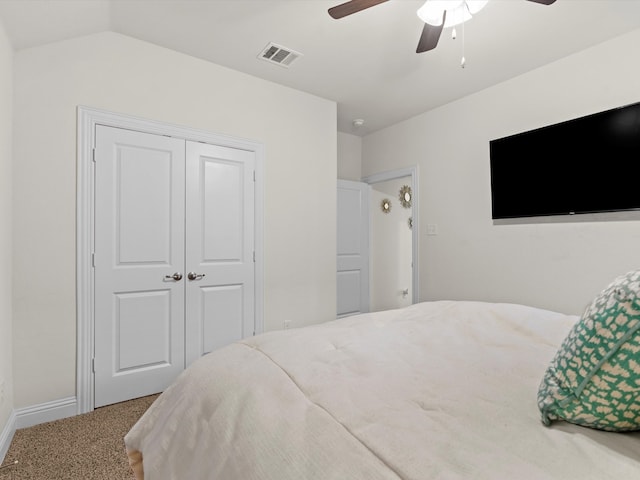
pixel 437 390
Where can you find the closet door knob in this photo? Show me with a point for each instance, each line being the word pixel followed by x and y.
pixel 176 276
pixel 194 276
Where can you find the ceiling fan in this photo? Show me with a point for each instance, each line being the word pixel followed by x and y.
pixel 433 13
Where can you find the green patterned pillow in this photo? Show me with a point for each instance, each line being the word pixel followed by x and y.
pixel 594 379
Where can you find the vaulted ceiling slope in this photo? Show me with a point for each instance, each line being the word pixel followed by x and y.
pixel 366 62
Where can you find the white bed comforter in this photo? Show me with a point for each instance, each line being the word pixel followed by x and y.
pixel 438 390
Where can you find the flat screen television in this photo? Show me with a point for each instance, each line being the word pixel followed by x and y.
pixel 585 165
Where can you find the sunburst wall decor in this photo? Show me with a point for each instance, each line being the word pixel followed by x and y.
pixel 405 196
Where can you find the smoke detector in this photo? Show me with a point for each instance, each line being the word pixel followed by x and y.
pixel 279 55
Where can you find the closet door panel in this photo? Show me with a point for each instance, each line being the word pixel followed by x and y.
pixel 139 246
pixel 220 247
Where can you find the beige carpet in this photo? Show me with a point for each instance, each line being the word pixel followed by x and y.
pixel 88 446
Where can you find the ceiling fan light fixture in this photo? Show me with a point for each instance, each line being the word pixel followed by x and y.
pixel 458 11
pixel 475 6
pixel 432 10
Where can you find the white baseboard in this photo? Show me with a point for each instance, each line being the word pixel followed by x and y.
pixel 34 415
pixel 46 412
pixel 7 435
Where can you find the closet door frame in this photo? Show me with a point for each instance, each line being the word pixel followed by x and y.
pixel 87 120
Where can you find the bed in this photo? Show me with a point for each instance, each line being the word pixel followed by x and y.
pixel 438 390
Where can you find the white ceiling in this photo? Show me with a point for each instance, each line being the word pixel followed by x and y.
pixel 365 62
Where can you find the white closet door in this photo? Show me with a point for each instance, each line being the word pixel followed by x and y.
pixel 139 245
pixel 352 248
pixel 220 279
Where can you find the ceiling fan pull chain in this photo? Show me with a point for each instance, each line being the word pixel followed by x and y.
pixel 463 62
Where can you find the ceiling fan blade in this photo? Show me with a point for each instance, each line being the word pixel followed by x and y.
pixel 430 36
pixel 543 2
pixel 353 6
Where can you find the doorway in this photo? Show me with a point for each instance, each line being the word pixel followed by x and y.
pixel 386 181
pixel 371 275
pixel 391 244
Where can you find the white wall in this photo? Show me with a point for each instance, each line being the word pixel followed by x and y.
pixel 558 266
pixel 117 73
pixel 6 363
pixel 349 157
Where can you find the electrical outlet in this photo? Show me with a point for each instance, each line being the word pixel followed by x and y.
pixel 286 324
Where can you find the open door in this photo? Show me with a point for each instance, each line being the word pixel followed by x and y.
pixel 353 248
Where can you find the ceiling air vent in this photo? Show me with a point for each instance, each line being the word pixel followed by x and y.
pixel 279 55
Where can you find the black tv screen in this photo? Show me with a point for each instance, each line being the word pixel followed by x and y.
pixel 585 165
